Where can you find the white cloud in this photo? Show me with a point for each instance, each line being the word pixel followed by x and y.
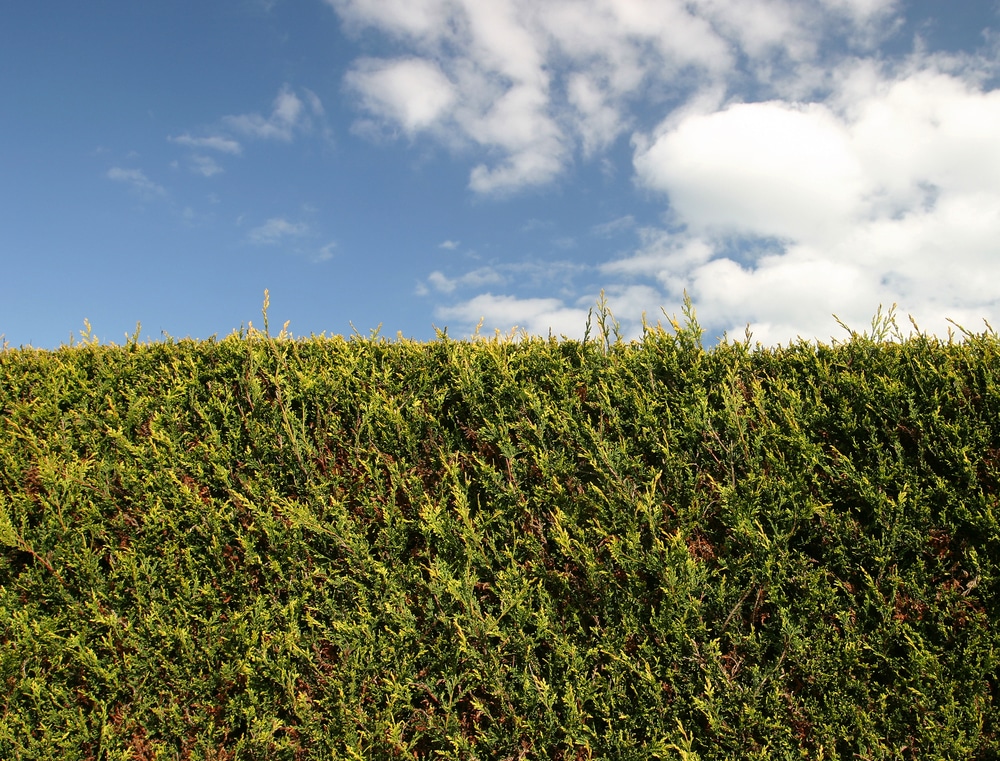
pixel 926 127
pixel 441 283
pixel 889 193
pixel 212 142
pixel 289 114
pixel 630 306
pixel 666 258
pixel 415 19
pixel 762 26
pixel 599 122
pixel 506 313
pixel 411 91
pixel 276 230
pixel 450 245
pixel 764 168
pixel 862 11
pixel 796 288
pixel 138 181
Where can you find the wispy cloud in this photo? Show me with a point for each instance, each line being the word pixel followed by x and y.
pixel 276 230
pixel 212 142
pixel 325 253
pixel 294 238
pixel 289 115
pixel 450 245
pixel 205 166
pixel 137 180
pixel 475 279
pixel 615 226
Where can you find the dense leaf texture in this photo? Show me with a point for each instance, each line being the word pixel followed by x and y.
pixel 258 548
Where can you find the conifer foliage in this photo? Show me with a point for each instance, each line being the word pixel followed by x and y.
pixel 507 548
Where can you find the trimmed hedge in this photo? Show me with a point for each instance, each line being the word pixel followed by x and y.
pixel 268 548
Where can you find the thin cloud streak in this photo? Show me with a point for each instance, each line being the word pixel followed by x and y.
pixel 138 181
pixel 474 279
pixel 277 229
pixel 212 142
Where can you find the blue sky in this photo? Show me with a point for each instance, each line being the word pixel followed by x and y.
pixel 421 163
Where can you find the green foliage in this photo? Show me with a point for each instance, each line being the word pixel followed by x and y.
pixel 268 548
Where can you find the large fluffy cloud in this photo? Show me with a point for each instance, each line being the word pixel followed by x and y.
pixel 772 169
pixel 803 171
pixel 888 193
